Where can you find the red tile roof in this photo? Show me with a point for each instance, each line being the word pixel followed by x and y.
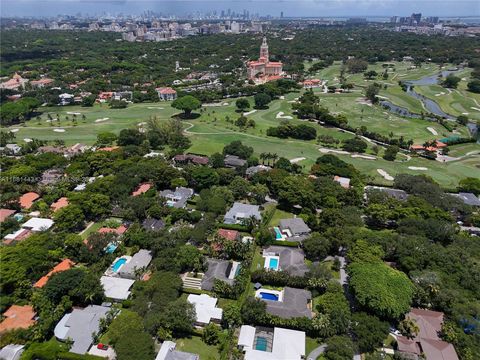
pixel 110 148
pixel 228 234
pixel 119 231
pixel 17 317
pixel 5 213
pixel 166 90
pixel 26 200
pixel 60 203
pixel 63 266
pixel 143 188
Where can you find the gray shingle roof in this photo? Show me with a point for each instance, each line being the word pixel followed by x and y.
pixel 217 269
pixel 152 224
pixel 234 161
pixel 139 261
pixel 179 197
pixel 468 198
pixel 79 326
pixel 294 304
pixel 395 193
pixel 240 211
pixel 296 225
pixel 291 260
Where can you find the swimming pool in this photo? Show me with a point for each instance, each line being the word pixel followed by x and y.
pixel 261 344
pixel 268 296
pixel 273 263
pixel 118 264
pixel 278 234
pixel 111 248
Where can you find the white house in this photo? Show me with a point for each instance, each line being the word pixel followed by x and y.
pixel 38 224
pixel 264 344
pixel 205 308
pixel 116 288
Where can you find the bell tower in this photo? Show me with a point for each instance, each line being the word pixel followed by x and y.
pixel 264 50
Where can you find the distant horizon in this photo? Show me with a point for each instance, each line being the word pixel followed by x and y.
pixel 290 8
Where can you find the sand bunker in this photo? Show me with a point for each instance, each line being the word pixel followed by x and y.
pixel 475 108
pixel 326 151
pixel 155 107
pixel 418 168
pixel 385 175
pixel 281 115
pixel 364 157
pixel 73 113
pixel 27 140
pixel 293 161
pixel 249 112
pixel 14 130
pixel 432 130
pixel 100 120
pixel 59 130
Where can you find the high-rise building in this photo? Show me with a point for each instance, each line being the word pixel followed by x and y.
pixel 417 17
pixel 263 69
pixel 281 15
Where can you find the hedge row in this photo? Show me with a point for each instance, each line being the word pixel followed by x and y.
pixel 233 227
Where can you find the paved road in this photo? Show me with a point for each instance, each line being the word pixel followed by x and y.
pixel 315 353
pixel 343 273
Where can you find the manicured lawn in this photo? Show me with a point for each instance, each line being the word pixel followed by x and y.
pixel 258 260
pixel 92 229
pixel 197 346
pixel 311 344
pixel 278 215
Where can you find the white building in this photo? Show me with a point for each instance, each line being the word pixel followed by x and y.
pixel 38 224
pixel 205 308
pixel 116 288
pixel 281 344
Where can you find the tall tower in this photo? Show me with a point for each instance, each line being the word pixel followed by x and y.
pixel 264 50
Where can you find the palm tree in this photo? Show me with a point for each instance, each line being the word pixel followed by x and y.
pixel 262 157
pixel 274 158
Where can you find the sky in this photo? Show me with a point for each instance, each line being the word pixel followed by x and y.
pixel 310 8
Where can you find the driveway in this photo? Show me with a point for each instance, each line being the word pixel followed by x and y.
pixel 315 353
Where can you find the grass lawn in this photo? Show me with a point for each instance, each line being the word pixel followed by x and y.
pixel 258 260
pixel 197 346
pixel 278 215
pixel 463 149
pixel 311 344
pixel 92 229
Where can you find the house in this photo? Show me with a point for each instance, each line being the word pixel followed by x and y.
pixel 122 95
pixel 66 99
pixel 231 235
pixel 252 170
pixel 52 176
pixel 152 224
pixel 62 266
pixel 223 270
pixel 427 342
pixel 287 303
pixel 18 235
pixel 233 161
pixel 290 260
pixel 118 231
pixel 263 69
pixel 438 145
pixel 312 83
pixel 294 228
pixel 398 194
pixel 178 198
pixel 271 344
pixel 468 198
pixel 18 317
pixel 190 159
pixel 142 189
pixel 116 288
pixel 27 199
pixel 240 212
pixel 6 213
pixel 37 224
pixel 11 352
pixel 166 93
pixel 343 181
pixel 79 326
pixel 104 96
pixel 60 203
pixel 75 149
pixel 50 149
pixel 168 352
pixel 11 149
pixel 42 83
pixel 205 309
pixel 14 83
pixel 138 262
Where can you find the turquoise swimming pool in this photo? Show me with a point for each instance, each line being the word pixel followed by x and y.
pixel 273 264
pixel 261 344
pixel 111 248
pixel 278 233
pixel 118 264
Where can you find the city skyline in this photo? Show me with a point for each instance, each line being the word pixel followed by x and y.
pixel 303 8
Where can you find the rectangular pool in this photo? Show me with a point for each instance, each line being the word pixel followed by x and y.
pixel 261 344
pixel 273 264
pixel 268 296
pixel 278 233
